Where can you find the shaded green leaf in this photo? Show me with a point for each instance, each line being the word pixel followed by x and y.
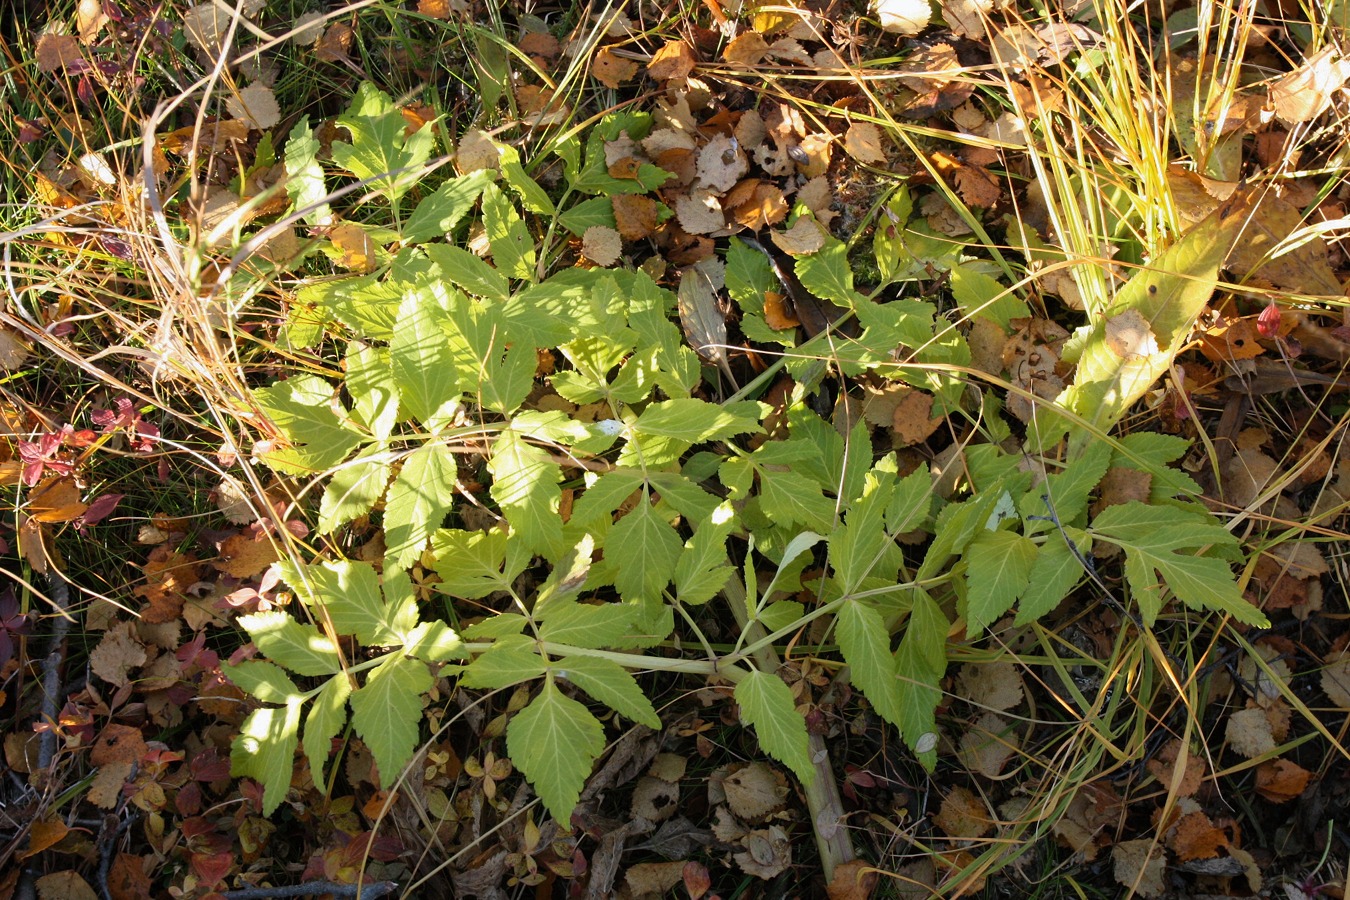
pixel 554 741
pixel 612 685
pixel 766 704
pixel 387 711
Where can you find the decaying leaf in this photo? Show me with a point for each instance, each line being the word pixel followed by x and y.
pixel 117 654
pixel 988 745
pixel 1335 680
pixel 1281 780
pixel 1139 865
pixel 1195 837
pixel 964 815
pixel 701 315
pixel 1249 733
pixel 863 143
pixel 255 105
pixel 996 686
pixel 58 51
pixel 755 790
pixel 674 60
pixel 1306 93
pixel 601 245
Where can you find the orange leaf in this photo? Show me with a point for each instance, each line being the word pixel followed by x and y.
pixel 674 60
pixel 776 313
pixel 612 70
pixel 1195 837
pixel 56 499
pixel 44 833
pixel 1236 339
pixel 1279 780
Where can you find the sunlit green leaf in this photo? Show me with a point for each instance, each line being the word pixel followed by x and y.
pixel 387 711
pixel 418 500
pixel 300 648
pixel 609 683
pixel 766 704
pixel 264 750
pixel 554 741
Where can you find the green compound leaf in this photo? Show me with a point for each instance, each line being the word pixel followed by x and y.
pixel 370 381
pixel 469 273
pixel 1165 540
pixel 857 546
pixel 694 420
pixel 423 361
pixel 980 295
pixel 387 711
pixel 644 549
pixel 261 679
pixel 349 592
pixel 304 175
pixel 378 150
pixel 434 642
pixel 920 663
pixel 473 564
pixel 300 648
pixel 827 273
pixel 441 211
pixel 302 410
pixel 508 662
pixel 1053 575
pixel 766 704
pixel 704 567
pixel 585 625
pixel 998 569
pixel 867 650
pixel 609 683
pixel 354 489
pixel 264 750
pixel 327 715
pixel 554 741
pixel 418 500
pixel 525 484
pixel 508 236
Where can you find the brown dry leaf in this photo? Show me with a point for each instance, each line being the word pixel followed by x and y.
pixel 1336 680
pixel 802 239
pixel 117 654
pixel 755 790
pixel 701 317
pixel 1245 476
pixel 977 187
pixel 1122 485
pixel 747 49
pixel 818 196
pixel 44 834
pixel 988 745
pixel 255 105
pixel 903 16
pixel 817 150
pixel 214 137
pixel 1232 340
pixel 967 17
pixel 700 212
pixel 653 879
pixel 913 421
pixel 106 788
pixel 1270 221
pixel 335 43
pixel 204 25
pixel 1249 733
pixel 1195 837
pixel 13 350
pixel 1140 865
pixel 601 245
pixel 436 9
pixel 118 743
pixel 612 70
pixel 308 29
pixel 357 249
pixel 674 60
pixel 1279 780
pixel 57 51
pixel 476 151
pixel 862 141
pixel 242 556
pixel 1306 92
pixel 854 880
pixel 721 163
pixel 636 215
pixel 757 204
pixel 654 799
pixel 963 815
pixel 1129 336
pixel 90 19
pixel 234 503
pixel 67 885
pixel 768 852
pixel 995 686
pixel 55 499
pixel 1163 767
pixel 777 313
